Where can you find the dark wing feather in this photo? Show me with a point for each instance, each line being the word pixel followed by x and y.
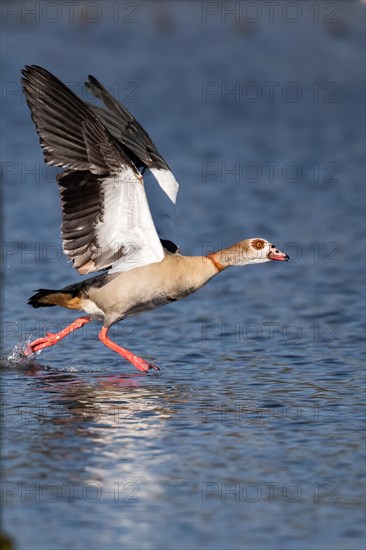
pixel 59 116
pixel 124 127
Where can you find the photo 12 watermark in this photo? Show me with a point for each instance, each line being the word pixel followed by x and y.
pixel 20 331
pixel 26 413
pixel 124 92
pixel 270 92
pixel 315 252
pixel 269 11
pixel 243 412
pixel 52 252
pixel 124 493
pixel 271 491
pixel 78 12
pixel 270 331
pixel 271 171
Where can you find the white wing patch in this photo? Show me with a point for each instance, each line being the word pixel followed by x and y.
pixel 127 222
pixel 167 182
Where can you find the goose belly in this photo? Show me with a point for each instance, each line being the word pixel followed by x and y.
pixel 149 304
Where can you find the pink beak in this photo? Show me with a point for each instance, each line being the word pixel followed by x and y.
pixel 275 254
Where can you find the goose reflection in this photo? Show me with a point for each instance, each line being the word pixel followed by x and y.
pixel 103 430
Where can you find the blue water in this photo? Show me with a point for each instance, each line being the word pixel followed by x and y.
pixel 251 434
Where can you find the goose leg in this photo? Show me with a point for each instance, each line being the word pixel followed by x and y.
pixel 51 339
pixel 137 362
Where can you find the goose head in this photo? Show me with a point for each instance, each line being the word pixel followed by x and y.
pixel 249 251
pixel 261 250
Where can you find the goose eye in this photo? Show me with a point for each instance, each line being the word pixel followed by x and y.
pixel 258 245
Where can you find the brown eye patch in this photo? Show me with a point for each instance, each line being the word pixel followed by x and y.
pixel 258 244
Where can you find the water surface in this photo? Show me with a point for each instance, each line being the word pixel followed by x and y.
pixel 250 435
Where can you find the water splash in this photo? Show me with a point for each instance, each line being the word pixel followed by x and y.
pixel 18 352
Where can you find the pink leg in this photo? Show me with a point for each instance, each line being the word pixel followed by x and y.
pixel 137 362
pixel 52 339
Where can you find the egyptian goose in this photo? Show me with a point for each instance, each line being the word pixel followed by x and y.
pixel 106 220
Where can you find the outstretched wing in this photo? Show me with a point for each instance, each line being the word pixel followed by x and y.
pixel 106 220
pixel 141 149
pixel 125 128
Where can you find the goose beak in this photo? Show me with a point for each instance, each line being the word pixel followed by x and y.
pixel 275 254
